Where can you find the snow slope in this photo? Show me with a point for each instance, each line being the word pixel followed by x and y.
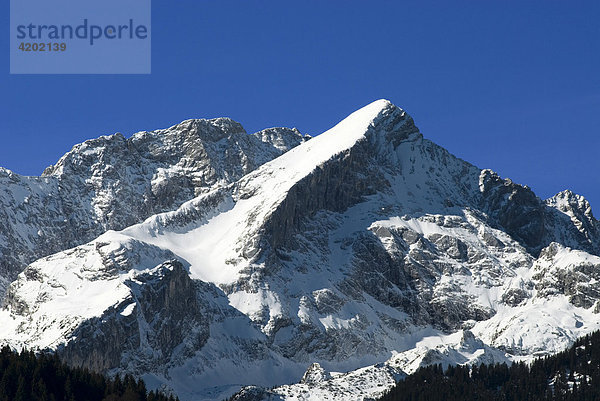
pixel 111 182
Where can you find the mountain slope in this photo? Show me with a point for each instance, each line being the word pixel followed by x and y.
pixel 110 183
pixel 367 247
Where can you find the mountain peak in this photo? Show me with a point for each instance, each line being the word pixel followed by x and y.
pixel 211 130
pixel 380 122
pixel 568 201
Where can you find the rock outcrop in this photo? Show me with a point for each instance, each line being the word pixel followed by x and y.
pixel 159 325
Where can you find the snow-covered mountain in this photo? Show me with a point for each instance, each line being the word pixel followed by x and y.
pixel 111 182
pixel 358 255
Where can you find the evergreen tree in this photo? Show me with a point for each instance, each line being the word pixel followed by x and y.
pixel 573 374
pixel 26 376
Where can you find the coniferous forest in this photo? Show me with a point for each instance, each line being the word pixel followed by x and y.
pixel 573 374
pixel 26 376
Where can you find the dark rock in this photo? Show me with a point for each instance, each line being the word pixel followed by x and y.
pixel 165 316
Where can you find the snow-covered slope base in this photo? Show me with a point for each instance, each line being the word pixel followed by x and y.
pixel 360 254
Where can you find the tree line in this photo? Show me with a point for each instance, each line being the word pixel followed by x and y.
pixel 26 376
pixel 573 374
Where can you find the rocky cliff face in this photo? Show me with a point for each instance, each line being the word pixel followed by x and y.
pixel 111 182
pixel 565 218
pixel 162 318
pixel 367 250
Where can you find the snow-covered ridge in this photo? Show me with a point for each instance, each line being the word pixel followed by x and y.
pixel 112 182
pixel 368 250
pixel 233 233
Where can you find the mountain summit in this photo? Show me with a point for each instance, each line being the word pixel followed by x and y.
pixel 360 255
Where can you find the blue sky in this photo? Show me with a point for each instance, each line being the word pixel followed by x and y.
pixel 509 85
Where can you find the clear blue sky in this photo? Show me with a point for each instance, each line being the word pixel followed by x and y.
pixel 508 85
